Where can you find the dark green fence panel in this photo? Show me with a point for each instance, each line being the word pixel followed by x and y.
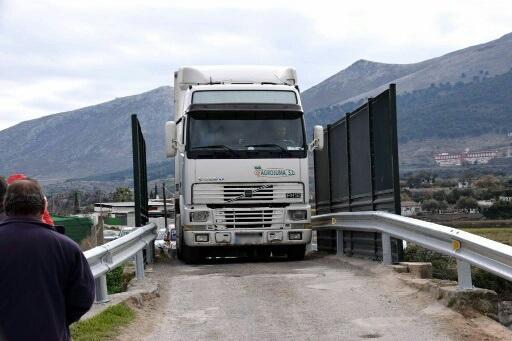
pixel 358 171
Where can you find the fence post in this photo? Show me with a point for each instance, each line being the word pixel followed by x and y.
pixel 339 242
pixel 150 252
pixel 100 285
pixel 139 265
pixel 464 275
pixel 386 249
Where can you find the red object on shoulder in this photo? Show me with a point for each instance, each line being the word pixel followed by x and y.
pixel 15 177
pixel 46 217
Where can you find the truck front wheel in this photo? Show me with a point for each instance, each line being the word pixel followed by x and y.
pixel 179 237
pixel 296 252
pixel 191 255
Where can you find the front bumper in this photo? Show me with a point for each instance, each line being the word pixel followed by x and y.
pixel 241 237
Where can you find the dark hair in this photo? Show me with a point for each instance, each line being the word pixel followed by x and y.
pixel 24 197
pixel 3 189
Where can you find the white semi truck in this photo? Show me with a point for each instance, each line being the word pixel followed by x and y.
pixel 241 162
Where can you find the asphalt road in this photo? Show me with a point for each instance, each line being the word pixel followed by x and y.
pixel 320 298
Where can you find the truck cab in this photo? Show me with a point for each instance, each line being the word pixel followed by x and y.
pixel 241 162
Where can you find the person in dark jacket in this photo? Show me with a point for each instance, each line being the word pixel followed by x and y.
pixel 3 188
pixel 45 281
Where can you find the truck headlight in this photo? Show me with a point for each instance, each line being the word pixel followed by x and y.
pixel 203 238
pixel 298 214
pixel 295 235
pixel 199 216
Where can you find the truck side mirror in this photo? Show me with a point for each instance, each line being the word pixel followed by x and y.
pixel 171 145
pixel 318 138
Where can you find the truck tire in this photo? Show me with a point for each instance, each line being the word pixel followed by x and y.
pixel 262 253
pixel 191 255
pixel 296 252
pixel 179 237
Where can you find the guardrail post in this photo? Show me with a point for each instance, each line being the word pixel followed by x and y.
pixel 464 275
pixel 386 249
pixel 139 265
pixel 150 252
pixel 339 242
pixel 100 284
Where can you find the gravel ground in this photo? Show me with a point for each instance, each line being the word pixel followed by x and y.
pixel 320 298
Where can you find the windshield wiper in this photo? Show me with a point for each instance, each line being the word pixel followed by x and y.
pixel 216 146
pixel 269 145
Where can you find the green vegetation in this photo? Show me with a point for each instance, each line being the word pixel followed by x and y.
pixel 122 194
pixel 117 280
pixel 499 234
pixel 103 326
pixel 500 210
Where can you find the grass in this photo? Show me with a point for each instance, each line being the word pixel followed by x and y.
pixel 117 280
pixel 103 326
pixel 499 234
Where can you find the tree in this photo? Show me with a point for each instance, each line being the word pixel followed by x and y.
pixel 439 195
pixel 122 194
pixel 420 196
pixel 443 206
pixel 466 203
pixel 430 205
pixel 453 196
pixel 483 194
pixel 487 182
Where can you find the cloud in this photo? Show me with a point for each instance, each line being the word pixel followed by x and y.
pixel 60 55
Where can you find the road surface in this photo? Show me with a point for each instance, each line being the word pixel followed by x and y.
pixel 320 298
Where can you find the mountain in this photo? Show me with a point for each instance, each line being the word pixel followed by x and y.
pixel 365 78
pixel 460 99
pixel 87 141
pixel 444 111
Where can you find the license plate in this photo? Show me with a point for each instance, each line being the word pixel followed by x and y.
pixel 248 238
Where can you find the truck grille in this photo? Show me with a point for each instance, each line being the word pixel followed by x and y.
pixel 248 193
pixel 249 217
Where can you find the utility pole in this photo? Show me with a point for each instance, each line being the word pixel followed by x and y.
pixel 76 204
pixel 165 204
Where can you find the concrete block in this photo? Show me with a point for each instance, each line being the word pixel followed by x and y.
pixel 419 269
pixel 400 268
pixel 505 313
pixel 482 300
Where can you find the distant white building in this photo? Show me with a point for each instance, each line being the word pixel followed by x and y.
pixel 474 158
pixel 124 212
pixel 485 203
pixel 410 208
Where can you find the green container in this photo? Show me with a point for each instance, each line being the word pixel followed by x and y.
pixel 77 228
pixel 113 221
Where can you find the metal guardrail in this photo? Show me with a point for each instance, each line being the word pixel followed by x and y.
pixel 467 248
pixel 108 256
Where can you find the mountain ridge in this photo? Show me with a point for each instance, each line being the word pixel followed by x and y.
pixel 494 57
pixel 97 139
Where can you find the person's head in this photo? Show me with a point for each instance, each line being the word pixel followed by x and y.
pixel 3 189
pixel 24 198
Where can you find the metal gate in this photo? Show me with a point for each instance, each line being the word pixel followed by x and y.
pixel 358 171
pixel 140 176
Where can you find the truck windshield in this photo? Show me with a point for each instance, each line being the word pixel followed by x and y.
pixel 246 135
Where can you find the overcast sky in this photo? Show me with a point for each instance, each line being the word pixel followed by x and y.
pixel 61 55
